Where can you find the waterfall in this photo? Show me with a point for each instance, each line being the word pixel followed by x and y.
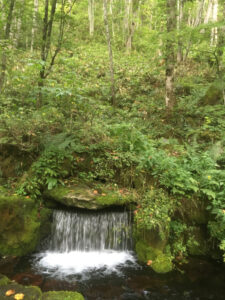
pixel 83 231
pixel 82 241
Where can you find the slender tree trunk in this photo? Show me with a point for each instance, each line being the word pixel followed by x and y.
pixel 91 16
pixel 46 44
pixel 111 65
pixel 180 6
pixel 220 47
pixel 6 37
pixel 111 4
pixel 208 15
pixel 196 22
pixel 34 24
pixel 170 54
pixel 46 40
pixel 214 31
pixel 128 25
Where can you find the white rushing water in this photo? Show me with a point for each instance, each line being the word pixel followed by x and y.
pixel 82 242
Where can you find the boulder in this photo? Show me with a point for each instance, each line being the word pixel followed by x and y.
pixel 62 295
pixel 32 292
pixel 22 224
pixel 84 196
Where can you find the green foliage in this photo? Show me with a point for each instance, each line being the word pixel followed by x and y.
pixel 154 211
pixel 54 164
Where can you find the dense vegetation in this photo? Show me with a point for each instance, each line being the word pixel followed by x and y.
pixel 83 95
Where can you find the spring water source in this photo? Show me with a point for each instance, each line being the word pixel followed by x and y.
pixel 85 241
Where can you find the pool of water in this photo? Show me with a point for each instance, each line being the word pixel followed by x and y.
pixel 91 252
pixel 197 280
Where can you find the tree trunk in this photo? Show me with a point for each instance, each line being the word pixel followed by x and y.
pixel 196 22
pixel 91 16
pixel 220 47
pixel 180 6
pixel 34 24
pixel 208 15
pixel 112 16
pixel 214 31
pixel 170 54
pixel 46 44
pixel 128 25
pixel 111 65
pixel 6 37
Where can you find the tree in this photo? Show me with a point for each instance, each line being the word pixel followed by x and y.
pixel 170 54
pixel 91 16
pixel 34 24
pixel 111 65
pixel 6 37
pixel 47 40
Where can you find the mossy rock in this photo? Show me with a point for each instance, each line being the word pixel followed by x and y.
pixel 84 196
pixel 162 263
pixel 214 94
pixel 30 292
pixel 20 223
pixel 62 295
pixel 13 160
pixel 4 280
pixel 146 252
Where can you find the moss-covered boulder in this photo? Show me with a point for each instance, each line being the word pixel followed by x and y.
pixel 32 292
pixel 4 280
pixel 13 160
pixel 62 295
pixel 21 224
pixel 214 94
pixel 29 292
pixel 151 250
pixel 89 197
pixel 162 263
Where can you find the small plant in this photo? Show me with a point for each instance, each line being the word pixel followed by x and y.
pixel 153 212
pixel 48 171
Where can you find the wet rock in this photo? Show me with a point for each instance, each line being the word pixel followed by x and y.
pixel 131 296
pixel 3 280
pixel 30 292
pixel 153 255
pixel 62 295
pixel 83 196
pixel 28 279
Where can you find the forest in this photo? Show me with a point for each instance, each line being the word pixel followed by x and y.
pixel 107 104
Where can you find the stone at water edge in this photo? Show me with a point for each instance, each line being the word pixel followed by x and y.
pixel 62 295
pixel 3 280
pixel 30 292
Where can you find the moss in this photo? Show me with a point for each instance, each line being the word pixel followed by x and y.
pixel 145 252
pixel 33 292
pixel 4 280
pixel 30 292
pixel 89 196
pixel 114 198
pixel 62 295
pixel 162 264
pixel 19 225
pixel 214 94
